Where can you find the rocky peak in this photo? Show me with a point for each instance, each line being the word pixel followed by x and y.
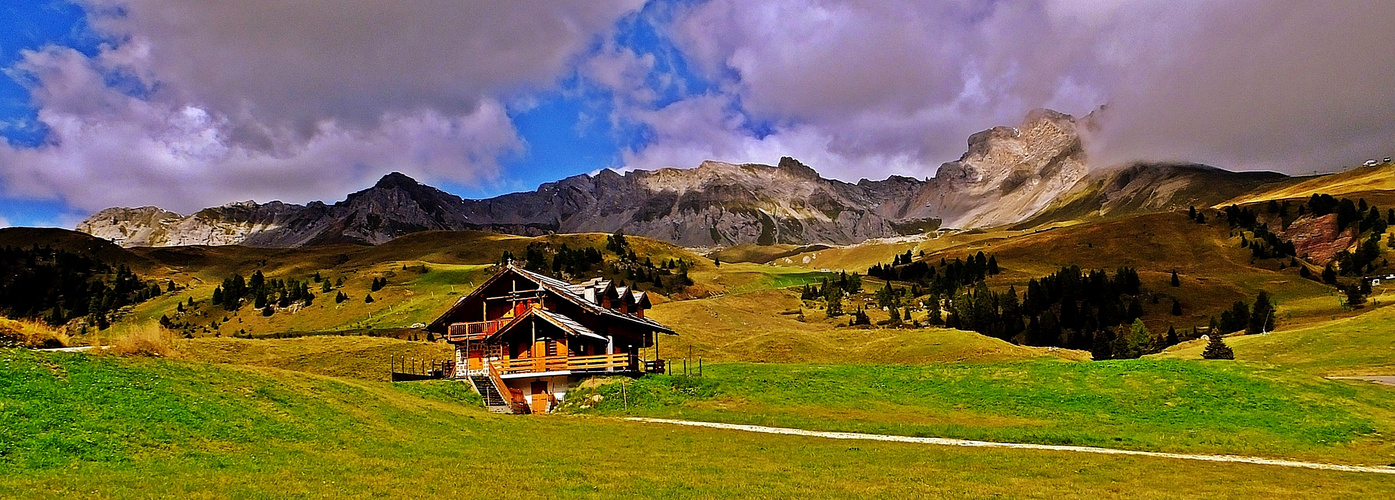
pixel 397 180
pixel 797 169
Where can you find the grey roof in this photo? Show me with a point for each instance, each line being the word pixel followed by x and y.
pixel 565 290
pixel 567 324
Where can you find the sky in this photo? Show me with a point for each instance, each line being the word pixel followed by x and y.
pixel 186 105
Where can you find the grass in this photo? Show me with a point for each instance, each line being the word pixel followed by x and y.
pixel 763 327
pixel 357 357
pixel 1156 405
pixel 739 278
pixel 109 427
pixel 454 262
pixel 1359 181
pixel 1360 345
pixel 32 333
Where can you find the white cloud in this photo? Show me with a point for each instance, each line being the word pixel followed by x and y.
pixel 199 103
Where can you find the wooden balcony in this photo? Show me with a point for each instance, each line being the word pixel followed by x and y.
pixel 475 330
pixel 617 363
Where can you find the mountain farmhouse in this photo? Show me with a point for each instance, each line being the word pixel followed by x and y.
pixel 523 338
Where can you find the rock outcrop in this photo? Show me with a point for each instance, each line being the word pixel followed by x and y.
pixel 1317 239
pixel 1008 173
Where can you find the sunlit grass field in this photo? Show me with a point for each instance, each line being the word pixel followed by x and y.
pixel 105 427
pixel 1156 405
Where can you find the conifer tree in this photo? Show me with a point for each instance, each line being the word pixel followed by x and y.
pixel 1261 316
pixel 1134 343
pixel 1216 349
pixel 368 299
pixel 1176 308
pixel 1175 280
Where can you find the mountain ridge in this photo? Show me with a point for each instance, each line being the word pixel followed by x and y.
pixel 1007 175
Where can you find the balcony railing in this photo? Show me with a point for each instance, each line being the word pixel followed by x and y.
pixel 600 363
pixel 475 330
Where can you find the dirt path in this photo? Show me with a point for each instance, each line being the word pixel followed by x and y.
pixel 1025 446
pixel 1385 380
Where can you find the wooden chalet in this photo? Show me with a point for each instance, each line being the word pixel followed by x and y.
pixel 523 339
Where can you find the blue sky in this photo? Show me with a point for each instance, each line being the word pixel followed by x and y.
pixel 186 105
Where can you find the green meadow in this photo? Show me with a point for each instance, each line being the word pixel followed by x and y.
pixel 81 426
pixel 1152 405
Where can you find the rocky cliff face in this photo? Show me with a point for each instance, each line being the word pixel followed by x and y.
pixel 1316 239
pixel 1006 175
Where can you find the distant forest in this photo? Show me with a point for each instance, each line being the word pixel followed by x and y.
pixel 627 268
pixel 56 286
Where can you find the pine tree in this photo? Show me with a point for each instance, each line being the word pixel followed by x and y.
pixel 1176 308
pixel 1134 343
pixel 368 299
pixel 1175 281
pixel 324 286
pixel 835 301
pixel 1171 338
pixel 1261 315
pixel 1216 349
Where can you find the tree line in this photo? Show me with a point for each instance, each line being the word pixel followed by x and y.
pixel 56 286
pixel 235 291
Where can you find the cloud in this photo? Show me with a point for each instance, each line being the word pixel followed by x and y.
pixel 1284 85
pixel 192 104
pixel 710 127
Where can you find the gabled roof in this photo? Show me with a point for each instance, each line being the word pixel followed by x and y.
pixel 568 325
pixel 575 294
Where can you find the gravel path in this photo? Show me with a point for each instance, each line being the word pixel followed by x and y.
pixel 1026 446
pixel 1387 380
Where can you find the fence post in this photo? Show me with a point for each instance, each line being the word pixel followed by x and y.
pixel 699 366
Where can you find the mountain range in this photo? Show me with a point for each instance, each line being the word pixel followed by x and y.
pixel 1034 173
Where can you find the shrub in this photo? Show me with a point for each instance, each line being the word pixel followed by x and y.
pixel 142 340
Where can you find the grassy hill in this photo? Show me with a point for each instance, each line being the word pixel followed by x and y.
pixel 357 357
pixel 1359 345
pixel 763 326
pixel 72 241
pixel 1376 184
pixel 82 426
pixel 425 272
pixel 1147 404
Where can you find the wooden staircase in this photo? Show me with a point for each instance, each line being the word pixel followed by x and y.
pixel 498 398
pixel 494 401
